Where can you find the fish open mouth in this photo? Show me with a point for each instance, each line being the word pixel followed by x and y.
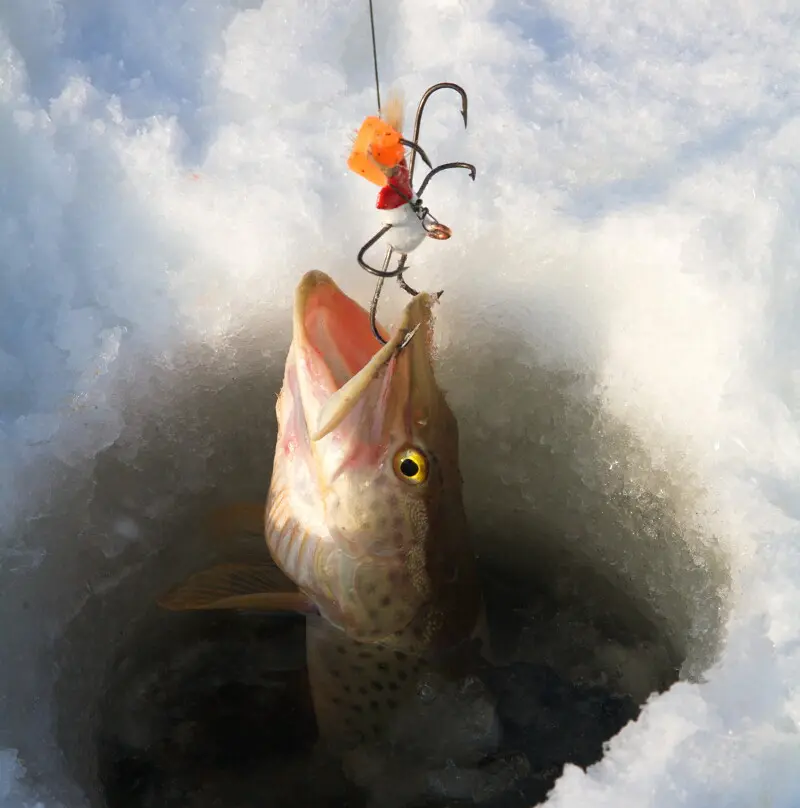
pixel 334 328
pixel 338 357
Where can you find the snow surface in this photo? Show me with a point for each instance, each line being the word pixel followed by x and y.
pixel 623 271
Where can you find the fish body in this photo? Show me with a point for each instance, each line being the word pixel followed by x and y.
pixel 365 511
pixel 365 519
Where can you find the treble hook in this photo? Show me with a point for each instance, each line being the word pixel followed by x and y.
pixel 434 88
pixel 408 207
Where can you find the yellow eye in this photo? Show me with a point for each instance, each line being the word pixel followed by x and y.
pixel 411 466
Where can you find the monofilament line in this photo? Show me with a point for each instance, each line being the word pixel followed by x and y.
pixel 375 55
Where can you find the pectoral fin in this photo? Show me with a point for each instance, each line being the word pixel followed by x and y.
pixel 252 587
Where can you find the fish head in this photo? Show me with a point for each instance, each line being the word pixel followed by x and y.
pixel 366 512
pixel 377 419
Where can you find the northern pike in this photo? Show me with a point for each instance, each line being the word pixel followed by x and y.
pixel 364 518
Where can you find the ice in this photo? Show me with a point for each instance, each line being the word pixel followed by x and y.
pixel 618 334
pixel 13 790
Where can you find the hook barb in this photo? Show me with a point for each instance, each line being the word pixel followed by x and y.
pixel 417 149
pixel 445 167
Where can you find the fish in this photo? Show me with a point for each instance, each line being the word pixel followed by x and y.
pixel 364 522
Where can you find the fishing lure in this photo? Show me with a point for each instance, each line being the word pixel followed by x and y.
pixel 379 155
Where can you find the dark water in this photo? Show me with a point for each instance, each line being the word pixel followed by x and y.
pixel 226 720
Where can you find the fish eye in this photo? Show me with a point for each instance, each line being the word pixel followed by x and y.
pixel 411 466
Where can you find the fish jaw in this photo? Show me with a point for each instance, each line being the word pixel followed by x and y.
pixel 383 558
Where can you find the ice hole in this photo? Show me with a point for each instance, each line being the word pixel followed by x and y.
pixel 600 581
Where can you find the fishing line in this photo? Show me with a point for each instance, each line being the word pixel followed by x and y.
pixel 375 55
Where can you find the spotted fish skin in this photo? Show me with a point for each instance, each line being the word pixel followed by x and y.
pixel 356 687
pixel 386 561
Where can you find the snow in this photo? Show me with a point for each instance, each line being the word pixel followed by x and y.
pixel 618 333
